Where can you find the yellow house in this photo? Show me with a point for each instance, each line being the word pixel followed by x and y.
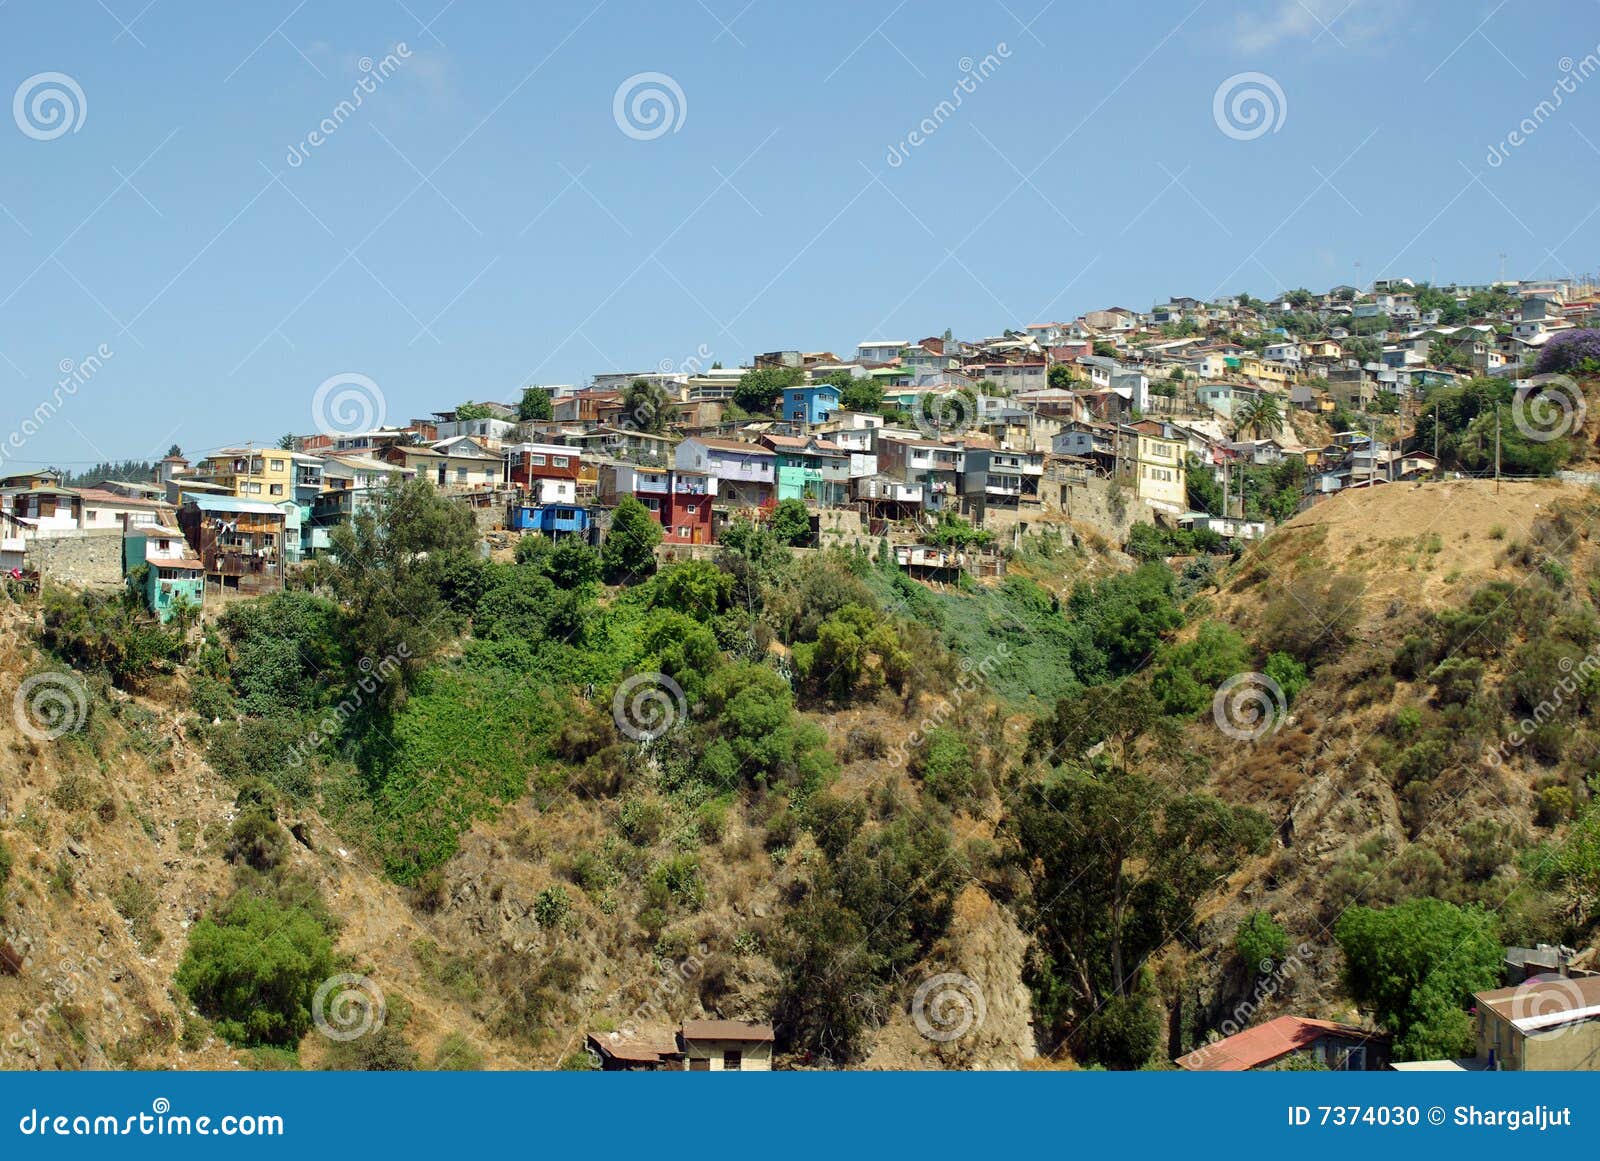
pixel 250 473
pixel 1549 1023
pixel 1153 462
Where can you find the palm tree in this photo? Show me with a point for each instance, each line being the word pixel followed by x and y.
pixel 1261 414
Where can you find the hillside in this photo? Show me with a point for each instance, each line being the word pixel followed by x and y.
pixel 862 788
pixel 1433 619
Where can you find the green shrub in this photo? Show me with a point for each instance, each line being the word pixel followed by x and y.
pixel 254 966
pixel 1313 616
pixel 1260 942
pixel 136 902
pixel 944 763
pixel 551 907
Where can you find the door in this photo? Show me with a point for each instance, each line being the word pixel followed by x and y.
pixel 699 1064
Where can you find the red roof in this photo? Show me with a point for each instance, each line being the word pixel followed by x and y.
pixel 1265 1043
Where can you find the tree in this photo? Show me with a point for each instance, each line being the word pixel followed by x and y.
pixel 175 450
pixel 1417 965
pixel 535 406
pixel 469 410
pixel 1059 376
pixel 827 991
pixel 1573 351
pixel 647 405
pixel 572 563
pixel 1261 414
pixel 289 442
pixel 1117 859
pixel 390 568
pixel 791 522
pixel 254 967
pixel 758 388
pixel 1300 298
pixel 629 549
pixel 1104 349
pixel 861 395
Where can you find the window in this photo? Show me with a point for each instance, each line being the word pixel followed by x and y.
pixel 558 461
pixel 699 1064
pixel 461 475
pixel 731 1061
pixel 536 461
pixel 684 532
pixel 277 465
pixel 275 489
pixel 692 509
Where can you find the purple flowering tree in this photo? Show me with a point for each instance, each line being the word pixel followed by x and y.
pixel 1575 350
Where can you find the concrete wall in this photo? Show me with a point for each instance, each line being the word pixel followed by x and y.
pixel 1096 504
pixel 89 558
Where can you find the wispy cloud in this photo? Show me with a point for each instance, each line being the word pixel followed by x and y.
pixel 1335 23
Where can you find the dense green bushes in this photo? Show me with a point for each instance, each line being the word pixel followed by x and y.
pixel 1417 965
pixel 254 966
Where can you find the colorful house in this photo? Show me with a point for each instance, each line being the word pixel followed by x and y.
pixel 172 575
pixel 551 519
pixel 810 469
pixel 679 499
pixel 250 473
pixel 811 403
pixel 239 542
pixel 745 474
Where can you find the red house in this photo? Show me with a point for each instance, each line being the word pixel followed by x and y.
pixel 680 500
pixel 548 472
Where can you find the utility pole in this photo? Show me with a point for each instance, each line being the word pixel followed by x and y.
pixel 1497 450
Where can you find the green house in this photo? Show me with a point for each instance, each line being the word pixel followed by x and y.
pixel 163 566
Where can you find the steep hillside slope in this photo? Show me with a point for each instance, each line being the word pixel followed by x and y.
pixel 1445 737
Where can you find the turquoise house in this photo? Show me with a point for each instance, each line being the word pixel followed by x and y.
pixel 172 573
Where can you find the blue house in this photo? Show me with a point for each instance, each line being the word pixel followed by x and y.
pixel 813 403
pixel 551 519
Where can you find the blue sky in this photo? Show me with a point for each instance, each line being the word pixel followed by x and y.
pixel 482 221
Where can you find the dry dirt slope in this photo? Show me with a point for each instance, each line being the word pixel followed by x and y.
pixel 126 818
pixel 1356 825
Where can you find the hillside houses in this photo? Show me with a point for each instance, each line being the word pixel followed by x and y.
pixel 1069 418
